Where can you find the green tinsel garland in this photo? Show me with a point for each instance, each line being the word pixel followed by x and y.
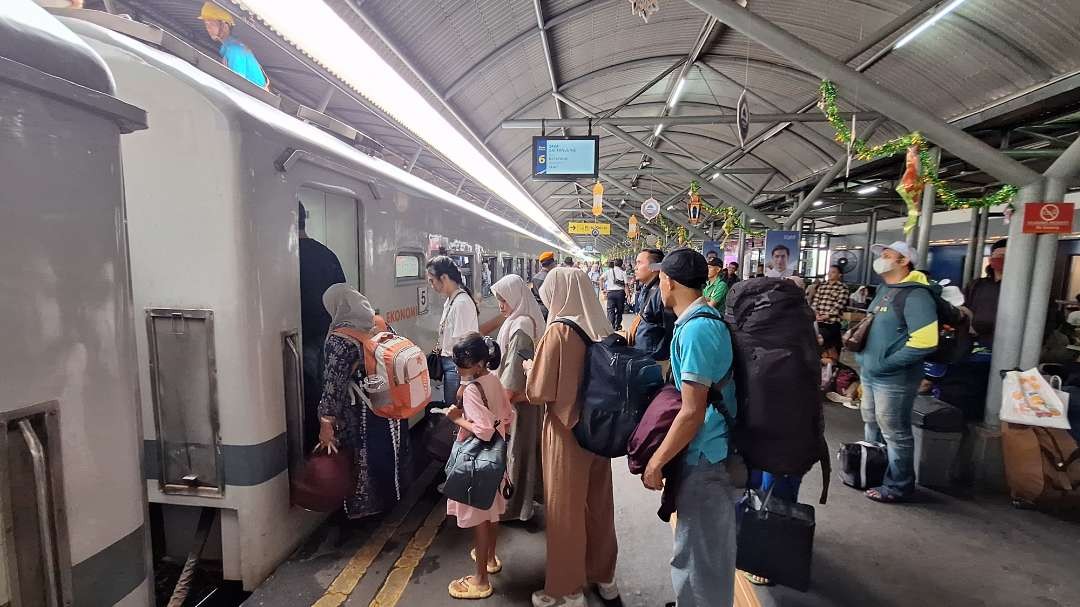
pixel 899 145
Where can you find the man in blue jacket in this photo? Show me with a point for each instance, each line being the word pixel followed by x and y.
pixel 903 333
pixel 234 54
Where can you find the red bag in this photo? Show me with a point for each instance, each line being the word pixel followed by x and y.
pixel 324 483
pixel 652 428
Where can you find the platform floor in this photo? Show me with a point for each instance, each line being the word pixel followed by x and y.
pixel 942 549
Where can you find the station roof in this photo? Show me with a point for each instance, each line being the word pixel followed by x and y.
pixel 990 64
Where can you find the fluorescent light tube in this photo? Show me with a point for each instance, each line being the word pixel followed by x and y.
pixel 870 189
pixel 948 8
pixel 818 203
pixel 323 35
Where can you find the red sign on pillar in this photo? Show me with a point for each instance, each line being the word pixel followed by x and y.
pixel 1048 217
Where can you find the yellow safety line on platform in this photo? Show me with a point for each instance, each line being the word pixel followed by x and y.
pixel 346 581
pixel 398 578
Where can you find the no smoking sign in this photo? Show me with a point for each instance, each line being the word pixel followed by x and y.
pixel 1048 217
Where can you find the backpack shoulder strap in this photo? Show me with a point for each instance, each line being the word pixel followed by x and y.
pixel 573 325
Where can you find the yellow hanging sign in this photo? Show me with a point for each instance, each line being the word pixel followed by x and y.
pixel 632 228
pixel 598 199
pixel 588 228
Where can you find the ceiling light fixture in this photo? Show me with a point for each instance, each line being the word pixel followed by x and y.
pixel 937 16
pixel 322 34
pixel 818 203
pixel 870 189
pixel 715 175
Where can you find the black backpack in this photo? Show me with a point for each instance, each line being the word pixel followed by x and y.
pixel 617 386
pixel 780 425
pixel 955 341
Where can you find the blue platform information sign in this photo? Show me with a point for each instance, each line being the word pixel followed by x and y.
pixel 565 158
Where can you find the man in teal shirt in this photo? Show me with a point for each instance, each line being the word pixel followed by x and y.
pixel 234 54
pixel 703 564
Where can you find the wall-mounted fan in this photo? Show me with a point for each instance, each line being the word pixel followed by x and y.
pixel 846 260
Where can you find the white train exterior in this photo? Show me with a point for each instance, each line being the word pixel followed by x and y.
pixel 71 493
pixel 212 187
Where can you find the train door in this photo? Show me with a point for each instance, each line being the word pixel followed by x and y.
pixel 507 265
pixel 334 220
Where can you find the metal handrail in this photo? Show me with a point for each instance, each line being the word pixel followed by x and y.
pixel 41 498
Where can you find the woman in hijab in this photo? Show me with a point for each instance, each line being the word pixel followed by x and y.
pixel 523 325
pixel 578 496
pixel 380 447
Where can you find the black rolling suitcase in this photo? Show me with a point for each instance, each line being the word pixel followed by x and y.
pixel 862 464
pixel 776 539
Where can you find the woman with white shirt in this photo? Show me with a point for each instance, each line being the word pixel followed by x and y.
pixel 459 318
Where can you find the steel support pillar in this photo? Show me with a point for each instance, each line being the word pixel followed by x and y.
pixel 887 102
pixel 1064 168
pixel 973 248
pixel 827 179
pixel 871 236
pixel 740 248
pixel 926 218
pixel 1012 303
pixel 554 123
pixel 984 227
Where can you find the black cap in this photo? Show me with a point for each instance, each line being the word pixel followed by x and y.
pixel 715 262
pixel 686 267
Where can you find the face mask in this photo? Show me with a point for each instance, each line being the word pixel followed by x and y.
pixel 883 265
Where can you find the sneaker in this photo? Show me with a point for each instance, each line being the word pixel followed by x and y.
pixel 609 591
pixel 540 599
pixel 838 398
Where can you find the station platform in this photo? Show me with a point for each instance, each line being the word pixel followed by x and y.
pixel 941 549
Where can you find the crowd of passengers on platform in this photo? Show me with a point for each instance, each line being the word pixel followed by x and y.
pixel 523 383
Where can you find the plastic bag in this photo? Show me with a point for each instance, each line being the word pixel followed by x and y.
pixel 1027 398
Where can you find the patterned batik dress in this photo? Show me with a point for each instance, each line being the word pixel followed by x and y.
pixel 379 446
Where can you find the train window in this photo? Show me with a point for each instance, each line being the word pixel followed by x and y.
pixel 183 377
pixel 407 266
pixel 33 550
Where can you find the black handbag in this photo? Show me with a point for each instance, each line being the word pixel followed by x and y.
pixel 476 468
pixel 776 539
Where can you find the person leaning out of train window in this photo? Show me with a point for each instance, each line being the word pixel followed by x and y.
pixel 234 54
pixel 379 446
pixel 982 295
pixel 579 507
pixel 517 340
pixel 460 316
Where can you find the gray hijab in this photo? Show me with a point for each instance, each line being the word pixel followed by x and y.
pixel 348 308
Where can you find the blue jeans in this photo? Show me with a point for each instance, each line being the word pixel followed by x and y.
pixel 886 412
pixel 451 381
pixel 703 564
pixel 787 485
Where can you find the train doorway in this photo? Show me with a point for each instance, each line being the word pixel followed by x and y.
pixel 334 220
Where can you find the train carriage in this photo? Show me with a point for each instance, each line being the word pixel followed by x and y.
pixel 71 496
pixel 213 188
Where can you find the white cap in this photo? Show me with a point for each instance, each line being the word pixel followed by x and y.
pixel 900 247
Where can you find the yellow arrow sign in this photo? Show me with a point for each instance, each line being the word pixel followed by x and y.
pixel 586 228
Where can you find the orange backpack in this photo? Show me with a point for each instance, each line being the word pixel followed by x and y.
pixel 396 383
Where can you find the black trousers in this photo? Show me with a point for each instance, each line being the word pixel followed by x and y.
pixel 616 303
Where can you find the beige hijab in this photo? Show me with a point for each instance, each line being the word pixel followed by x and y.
pixel 348 308
pixel 525 313
pixel 568 294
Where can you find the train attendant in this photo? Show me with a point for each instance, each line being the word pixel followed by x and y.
pixel 234 54
pixel 517 339
pixel 460 316
pixel 578 495
pixel 380 446
pixel 485 410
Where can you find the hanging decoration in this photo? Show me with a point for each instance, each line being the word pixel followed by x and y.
pixel 928 172
pixel 644 8
pixel 694 205
pixel 910 188
pixel 598 199
pixel 632 228
pixel 851 141
pixel 650 209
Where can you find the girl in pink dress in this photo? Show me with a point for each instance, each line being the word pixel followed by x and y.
pixel 484 410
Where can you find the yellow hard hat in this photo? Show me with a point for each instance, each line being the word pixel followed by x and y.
pixel 546 256
pixel 213 12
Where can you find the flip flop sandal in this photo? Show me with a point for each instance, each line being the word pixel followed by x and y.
pixel 879 495
pixel 493 570
pixel 462 588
